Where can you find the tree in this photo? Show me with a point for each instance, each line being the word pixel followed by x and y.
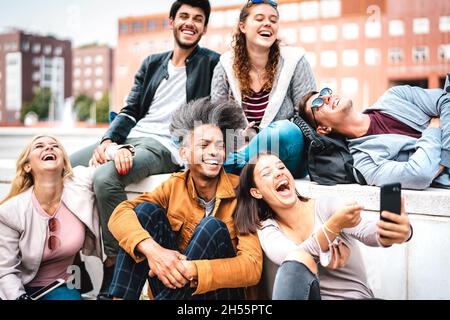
pixel 83 107
pixel 103 108
pixel 40 104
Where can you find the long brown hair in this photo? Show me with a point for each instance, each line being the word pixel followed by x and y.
pixel 250 212
pixel 24 180
pixel 241 63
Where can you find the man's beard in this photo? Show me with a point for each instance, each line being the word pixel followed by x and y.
pixel 185 46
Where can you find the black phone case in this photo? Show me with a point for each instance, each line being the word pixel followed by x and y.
pixel 390 198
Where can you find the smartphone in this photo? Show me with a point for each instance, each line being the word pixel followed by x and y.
pixel 390 198
pixel 43 291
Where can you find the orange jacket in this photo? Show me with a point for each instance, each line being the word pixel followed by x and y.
pixel 179 198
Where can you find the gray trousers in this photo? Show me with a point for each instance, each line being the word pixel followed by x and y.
pixel 151 158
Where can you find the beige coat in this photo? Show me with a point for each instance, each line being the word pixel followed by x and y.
pixel 23 232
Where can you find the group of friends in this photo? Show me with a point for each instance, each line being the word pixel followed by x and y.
pixel 221 124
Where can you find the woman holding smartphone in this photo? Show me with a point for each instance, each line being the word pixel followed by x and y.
pixel 268 81
pixel 46 219
pixel 312 241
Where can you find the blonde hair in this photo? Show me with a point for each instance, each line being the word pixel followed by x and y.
pixel 24 180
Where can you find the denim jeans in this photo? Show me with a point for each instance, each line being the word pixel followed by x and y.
pixel 294 281
pixel 151 158
pixel 60 293
pixel 282 138
pixel 211 240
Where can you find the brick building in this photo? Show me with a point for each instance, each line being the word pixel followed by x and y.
pixel 92 70
pixel 359 48
pixel 29 62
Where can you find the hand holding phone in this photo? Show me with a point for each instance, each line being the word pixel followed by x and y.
pixel 390 199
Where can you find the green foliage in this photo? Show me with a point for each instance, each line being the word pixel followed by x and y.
pixel 83 107
pixel 103 109
pixel 39 104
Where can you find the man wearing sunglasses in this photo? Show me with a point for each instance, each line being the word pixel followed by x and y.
pixel 403 137
pixel 164 82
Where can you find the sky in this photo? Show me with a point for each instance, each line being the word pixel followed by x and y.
pixel 82 21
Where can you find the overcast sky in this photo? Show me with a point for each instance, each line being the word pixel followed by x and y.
pixel 82 21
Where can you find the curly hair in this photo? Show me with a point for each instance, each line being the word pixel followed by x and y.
pixel 241 64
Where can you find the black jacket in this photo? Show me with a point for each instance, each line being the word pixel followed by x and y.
pixel 199 68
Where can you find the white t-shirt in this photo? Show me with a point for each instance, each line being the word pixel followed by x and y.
pixel 169 96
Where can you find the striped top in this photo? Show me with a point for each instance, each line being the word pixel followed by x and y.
pixel 255 106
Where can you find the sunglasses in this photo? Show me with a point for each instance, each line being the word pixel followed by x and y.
pixel 318 102
pixel 53 241
pixel 272 3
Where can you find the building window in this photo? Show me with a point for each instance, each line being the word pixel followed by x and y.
pixel 77 72
pixel 99 71
pixel 289 35
pixel 152 25
pixel 26 46
pixel 420 53
pixel 444 52
pixel 350 31
pixel 309 10
pixel 308 34
pixel 36 48
pixel 444 24
pixel 87 84
pixel 47 49
pixel 77 84
pixel 137 26
pixel 36 76
pixel 123 27
pixel 87 72
pixel 421 26
pixel 10 46
pixel 350 58
pixel 372 56
pixel 330 8
pixel 329 83
pixel 58 51
pixel 98 59
pixel 289 12
pixel 87 60
pixel 395 55
pixel 349 85
pixel 373 29
pixel 328 59
pixel 98 95
pixel 396 28
pixel 232 17
pixel 77 61
pixel 329 33
pixel 217 19
pixel 98 83
pixel 312 59
pixel 36 61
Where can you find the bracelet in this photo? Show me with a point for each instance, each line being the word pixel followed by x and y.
pixel 330 231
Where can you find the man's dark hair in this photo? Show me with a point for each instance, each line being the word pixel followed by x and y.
pixel 302 106
pixel 202 4
pixel 227 115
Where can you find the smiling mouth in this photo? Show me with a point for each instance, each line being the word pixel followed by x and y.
pixel 265 34
pixel 49 157
pixel 283 186
pixel 188 32
pixel 211 162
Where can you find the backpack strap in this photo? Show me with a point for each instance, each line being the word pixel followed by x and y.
pixel 308 132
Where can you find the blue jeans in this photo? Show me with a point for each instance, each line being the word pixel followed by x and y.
pixel 294 281
pixel 60 293
pixel 211 240
pixel 282 138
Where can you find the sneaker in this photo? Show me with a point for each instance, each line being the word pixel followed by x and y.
pixel 108 273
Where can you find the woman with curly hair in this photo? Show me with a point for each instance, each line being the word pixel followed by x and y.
pixel 268 81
